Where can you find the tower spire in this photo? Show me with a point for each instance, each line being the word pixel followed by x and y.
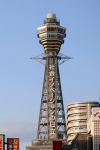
pixel 51 123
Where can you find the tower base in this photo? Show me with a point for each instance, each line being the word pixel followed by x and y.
pixel 40 145
pixel 43 145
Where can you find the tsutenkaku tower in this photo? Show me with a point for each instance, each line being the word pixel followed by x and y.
pixel 51 123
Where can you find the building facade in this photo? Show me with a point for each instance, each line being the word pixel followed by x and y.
pixel 94 127
pixel 77 116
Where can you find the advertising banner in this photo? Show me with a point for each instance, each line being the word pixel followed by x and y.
pixel 2 142
pixel 57 145
pixel 12 143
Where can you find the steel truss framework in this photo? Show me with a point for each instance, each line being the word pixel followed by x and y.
pixel 51 86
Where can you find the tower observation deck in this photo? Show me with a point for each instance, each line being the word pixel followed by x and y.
pixel 51 125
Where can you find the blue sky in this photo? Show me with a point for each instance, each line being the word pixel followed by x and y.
pixel 21 78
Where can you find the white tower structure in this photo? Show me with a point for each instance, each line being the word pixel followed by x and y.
pixel 52 123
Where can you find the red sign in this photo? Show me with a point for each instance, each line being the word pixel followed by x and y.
pixel 2 140
pixel 12 143
pixel 57 145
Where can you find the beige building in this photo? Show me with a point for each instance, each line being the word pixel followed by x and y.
pixel 77 116
pixel 94 127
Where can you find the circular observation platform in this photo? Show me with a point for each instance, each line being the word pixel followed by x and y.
pixel 51 34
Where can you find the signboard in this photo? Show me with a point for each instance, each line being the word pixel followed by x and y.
pixel 12 143
pixel 2 140
pixel 96 114
pixel 51 102
pixel 57 145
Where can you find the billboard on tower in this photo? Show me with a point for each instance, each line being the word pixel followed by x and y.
pixel 2 142
pixel 12 143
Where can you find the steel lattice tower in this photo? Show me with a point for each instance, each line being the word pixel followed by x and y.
pixel 51 123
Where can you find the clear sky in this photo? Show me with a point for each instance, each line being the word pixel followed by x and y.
pixel 21 78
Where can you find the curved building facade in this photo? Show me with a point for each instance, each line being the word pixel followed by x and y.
pixel 77 116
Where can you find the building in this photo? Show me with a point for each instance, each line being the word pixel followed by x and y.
pixel 77 116
pixel 51 124
pixel 82 141
pixel 94 127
